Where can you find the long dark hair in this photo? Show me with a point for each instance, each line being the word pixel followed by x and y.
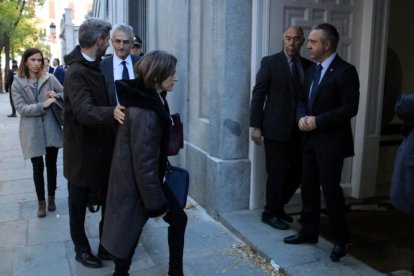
pixel 23 71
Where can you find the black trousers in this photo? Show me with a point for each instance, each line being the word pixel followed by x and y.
pixel 78 202
pixel 38 170
pixel 11 102
pixel 177 220
pixel 326 173
pixel 284 172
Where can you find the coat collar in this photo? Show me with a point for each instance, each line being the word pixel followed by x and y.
pixel 134 93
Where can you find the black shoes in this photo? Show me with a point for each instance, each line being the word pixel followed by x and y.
pixel 286 217
pixel 88 260
pixel 299 239
pixel 11 115
pixel 275 222
pixel 339 250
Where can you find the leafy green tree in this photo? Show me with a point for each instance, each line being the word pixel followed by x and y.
pixel 14 18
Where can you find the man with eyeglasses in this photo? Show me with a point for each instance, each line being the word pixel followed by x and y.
pixel 120 65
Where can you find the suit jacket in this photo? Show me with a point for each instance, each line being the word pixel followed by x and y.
pixel 59 73
pixel 50 70
pixel 273 102
pixel 107 67
pixel 335 104
pixel 402 183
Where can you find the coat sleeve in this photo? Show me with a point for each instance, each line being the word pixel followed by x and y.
pixel 23 107
pixel 347 87
pixel 81 97
pixel 145 139
pixel 259 94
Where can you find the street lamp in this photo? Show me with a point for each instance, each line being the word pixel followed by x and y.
pixel 52 31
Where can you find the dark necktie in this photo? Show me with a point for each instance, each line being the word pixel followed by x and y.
pixel 125 73
pixel 294 71
pixel 314 89
pixel 295 80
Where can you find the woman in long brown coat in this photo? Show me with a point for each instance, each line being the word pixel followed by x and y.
pixel 136 190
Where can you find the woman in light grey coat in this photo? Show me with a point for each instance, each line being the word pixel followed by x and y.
pixel 33 92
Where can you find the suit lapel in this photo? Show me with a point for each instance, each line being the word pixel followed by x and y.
pixel 326 77
pixel 328 74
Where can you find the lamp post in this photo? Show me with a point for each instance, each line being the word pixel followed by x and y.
pixel 52 31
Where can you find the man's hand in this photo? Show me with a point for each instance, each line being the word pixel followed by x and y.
pixel 302 124
pixel 311 122
pixel 119 113
pixel 307 123
pixel 257 136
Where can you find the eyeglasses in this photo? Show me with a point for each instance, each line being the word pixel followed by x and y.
pixel 136 46
pixel 118 41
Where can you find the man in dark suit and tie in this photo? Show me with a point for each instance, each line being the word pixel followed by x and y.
pixel 272 118
pixel 324 116
pixel 120 65
pixel 59 72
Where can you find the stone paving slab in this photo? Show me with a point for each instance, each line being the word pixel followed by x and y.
pixel 303 259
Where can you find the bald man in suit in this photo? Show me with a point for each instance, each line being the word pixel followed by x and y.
pixel 279 83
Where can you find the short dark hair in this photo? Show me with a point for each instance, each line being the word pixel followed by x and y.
pixel 91 29
pixel 23 71
pixel 329 32
pixel 155 67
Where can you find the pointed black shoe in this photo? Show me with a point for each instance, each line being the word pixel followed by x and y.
pixel 299 239
pixel 276 222
pixel 339 250
pixel 88 260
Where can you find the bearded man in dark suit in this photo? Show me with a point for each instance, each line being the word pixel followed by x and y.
pixel 332 87
pixel 279 83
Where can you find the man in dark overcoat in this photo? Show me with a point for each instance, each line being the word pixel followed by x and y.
pixel 88 132
pixel 279 83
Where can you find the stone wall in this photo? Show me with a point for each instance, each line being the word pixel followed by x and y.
pixel 212 41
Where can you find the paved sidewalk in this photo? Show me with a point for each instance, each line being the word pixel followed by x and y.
pixel 33 246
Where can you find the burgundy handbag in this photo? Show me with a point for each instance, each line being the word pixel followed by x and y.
pixel 176 135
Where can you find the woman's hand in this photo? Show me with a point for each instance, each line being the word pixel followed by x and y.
pixel 48 102
pixel 119 113
pixel 52 94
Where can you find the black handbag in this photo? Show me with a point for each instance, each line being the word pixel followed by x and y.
pixel 58 110
pixel 178 180
pixel 176 141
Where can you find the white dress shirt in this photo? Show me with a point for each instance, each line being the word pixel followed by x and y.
pixel 118 67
